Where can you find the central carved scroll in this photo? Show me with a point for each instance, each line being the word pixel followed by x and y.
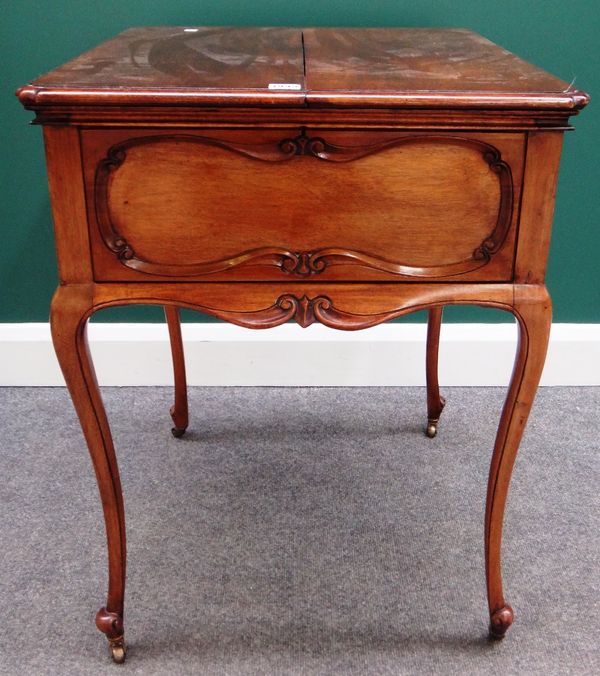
pixel 163 200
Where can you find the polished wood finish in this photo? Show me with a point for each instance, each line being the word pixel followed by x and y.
pixel 537 206
pixel 155 202
pixel 68 205
pixel 390 67
pixel 425 67
pixel 177 64
pixel 399 170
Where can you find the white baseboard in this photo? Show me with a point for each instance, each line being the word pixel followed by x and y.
pixel 223 354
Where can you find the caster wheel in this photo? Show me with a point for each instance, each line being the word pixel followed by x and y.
pixel 432 428
pixel 117 652
pixel 178 431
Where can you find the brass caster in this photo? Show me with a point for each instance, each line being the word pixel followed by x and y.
pixel 178 431
pixel 432 428
pixel 500 621
pixel 117 650
pixel 110 623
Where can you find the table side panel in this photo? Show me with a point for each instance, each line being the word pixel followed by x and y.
pixel 537 207
pixel 272 204
pixel 67 196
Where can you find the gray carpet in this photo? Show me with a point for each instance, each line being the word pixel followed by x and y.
pixel 300 531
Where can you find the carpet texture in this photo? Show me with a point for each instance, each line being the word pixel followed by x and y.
pixel 300 531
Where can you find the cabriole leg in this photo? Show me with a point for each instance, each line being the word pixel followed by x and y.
pixel 435 402
pixel 179 410
pixel 71 307
pixel 534 319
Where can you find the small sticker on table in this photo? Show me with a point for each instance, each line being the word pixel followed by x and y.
pixel 285 85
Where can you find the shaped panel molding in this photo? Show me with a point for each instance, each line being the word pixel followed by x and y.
pixel 150 258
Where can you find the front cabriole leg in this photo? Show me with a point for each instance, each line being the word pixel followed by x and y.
pixel 532 308
pixel 71 308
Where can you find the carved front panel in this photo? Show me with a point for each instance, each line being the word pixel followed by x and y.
pixel 295 204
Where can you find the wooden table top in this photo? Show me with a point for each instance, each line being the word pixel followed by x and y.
pixel 373 67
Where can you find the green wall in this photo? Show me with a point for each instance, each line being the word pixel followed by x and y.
pixel 35 36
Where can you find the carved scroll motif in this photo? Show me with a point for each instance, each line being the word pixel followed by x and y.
pixel 306 311
pixel 492 244
pixel 113 240
pixel 303 263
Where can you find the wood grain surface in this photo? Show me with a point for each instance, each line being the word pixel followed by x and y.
pixel 424 66
pixel 346 205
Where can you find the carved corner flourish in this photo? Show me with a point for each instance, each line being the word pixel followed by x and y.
pixel 302 263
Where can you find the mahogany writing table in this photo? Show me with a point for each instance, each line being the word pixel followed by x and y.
pixel 262 175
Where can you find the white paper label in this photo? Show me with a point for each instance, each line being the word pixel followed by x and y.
pixel 277 85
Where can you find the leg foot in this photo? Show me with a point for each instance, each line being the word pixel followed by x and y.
pixel 111 624
pixel 433 423
pixel 177 431
pixel 500 621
